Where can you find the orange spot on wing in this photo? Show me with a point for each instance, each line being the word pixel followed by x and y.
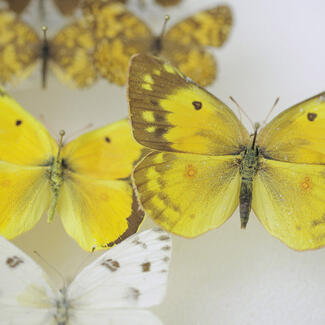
pixel 5 182
pixel 190 171
pixel 306 185
pixel 104 196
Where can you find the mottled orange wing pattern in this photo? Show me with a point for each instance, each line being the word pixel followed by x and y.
pixel 184 44
pixel 118 34
pixel 206 28
pixel 19 48
pixel 72 50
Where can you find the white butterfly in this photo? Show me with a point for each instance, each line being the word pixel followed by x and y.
pixel 112 290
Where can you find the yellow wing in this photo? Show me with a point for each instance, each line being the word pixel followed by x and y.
pixel 188 194
pixel 19 48
pixel 184 45
pixel 72 55
pixel 296 135
pixel 96 203
pixel 170 113
pixel 206 28
pixel 119 34
pixel 195 62
pixel 288 198
pixel 23 139
pixel 26 151
pixel 24 195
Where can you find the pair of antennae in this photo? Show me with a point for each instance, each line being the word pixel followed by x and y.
pixel 255 126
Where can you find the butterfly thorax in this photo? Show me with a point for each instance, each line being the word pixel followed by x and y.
pixel 157 45
pixel 45 55
pixel 248 169
pixel 62 311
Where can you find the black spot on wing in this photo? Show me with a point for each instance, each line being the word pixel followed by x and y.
pixel 146 267
pixel 107 139
pixel 112 265
pixel 19 122
pixel 14 261
pixel 197 105
pixel 311 116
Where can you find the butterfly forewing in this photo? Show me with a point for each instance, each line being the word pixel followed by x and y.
pixel 296 135
pixel 18 6
pixel 67 7
pixel 130 275
pixel 170 113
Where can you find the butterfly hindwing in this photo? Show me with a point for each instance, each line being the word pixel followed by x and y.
pixel 171 113
pixel 288 200
pixel 174 190
pixel 72 55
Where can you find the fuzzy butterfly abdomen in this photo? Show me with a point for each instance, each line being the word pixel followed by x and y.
pixel 248 169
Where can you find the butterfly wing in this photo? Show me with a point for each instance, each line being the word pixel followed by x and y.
pixel 188 194
pixel 96 202
pixel 289 186
pixel 130 276
pixel 119 34
pixel 26 295
pixel 72 55
pixel 19 48
pixel 171 113
pixel 26 149
pixel 18 6
pixel 184 44
pixel 289 201
pixel 195 62
pixel 115 317
pixel 296 135
pixel 167 3
pixel 67 8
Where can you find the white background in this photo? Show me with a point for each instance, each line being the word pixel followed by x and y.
pixel 227 276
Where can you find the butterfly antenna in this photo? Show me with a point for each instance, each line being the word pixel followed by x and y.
pixel 270 111
pixel 86 127
pixel 44 121
pixel 58 273
pixel 83 262
pixel 163 31
pixel 243 111
pixel 61 134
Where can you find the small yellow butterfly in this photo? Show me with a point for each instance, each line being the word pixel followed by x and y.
pixel 86 181
pixel 69 53
pixel 119 34
pixel 205 163
pixel 66 7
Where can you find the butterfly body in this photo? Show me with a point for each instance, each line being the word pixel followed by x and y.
pixel 62 309
pixel 248 169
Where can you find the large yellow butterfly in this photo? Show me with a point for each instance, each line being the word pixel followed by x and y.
pixel 86 181
pixel 119 34
pixel 69 53
pixel 66 7
pixel 205 163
